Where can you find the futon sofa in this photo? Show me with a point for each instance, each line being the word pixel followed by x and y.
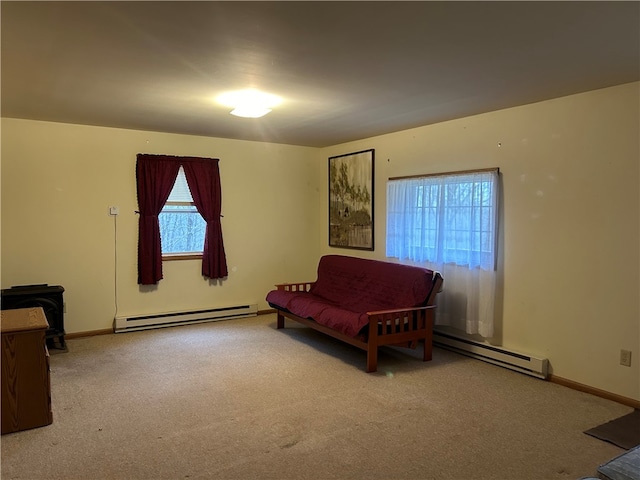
pixel 366 303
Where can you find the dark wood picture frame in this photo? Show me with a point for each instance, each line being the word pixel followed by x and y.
pixel 351 183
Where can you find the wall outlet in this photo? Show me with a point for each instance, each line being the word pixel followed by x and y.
pixel 625 358
pixel 114 210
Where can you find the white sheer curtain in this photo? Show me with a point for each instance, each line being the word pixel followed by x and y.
pixel 448 223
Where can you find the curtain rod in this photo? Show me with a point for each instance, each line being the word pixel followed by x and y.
pixel 460 172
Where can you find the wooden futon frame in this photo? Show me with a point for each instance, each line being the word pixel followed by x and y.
pixel 401 326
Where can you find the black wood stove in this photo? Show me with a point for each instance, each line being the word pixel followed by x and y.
pixel 45 296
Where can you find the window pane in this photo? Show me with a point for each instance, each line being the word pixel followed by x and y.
pixel 181 229
pixel 444 219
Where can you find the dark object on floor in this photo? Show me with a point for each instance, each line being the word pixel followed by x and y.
pixel 624 467
pixel 623 432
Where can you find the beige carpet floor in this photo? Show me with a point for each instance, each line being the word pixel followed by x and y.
pixel 241 400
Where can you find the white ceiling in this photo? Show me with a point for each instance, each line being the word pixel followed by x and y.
pixel 346 70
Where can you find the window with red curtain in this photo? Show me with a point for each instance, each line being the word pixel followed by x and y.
pixel 155 176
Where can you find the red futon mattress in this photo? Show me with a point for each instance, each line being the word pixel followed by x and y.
pixel 349 287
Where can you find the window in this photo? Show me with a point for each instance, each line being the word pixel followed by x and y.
pixel 182 228
pixel 444 219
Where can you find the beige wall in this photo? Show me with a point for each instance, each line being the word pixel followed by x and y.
pixel 59 180
pixel 570 229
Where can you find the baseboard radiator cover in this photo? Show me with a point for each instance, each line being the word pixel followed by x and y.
pixel 171 319
pixel 536 367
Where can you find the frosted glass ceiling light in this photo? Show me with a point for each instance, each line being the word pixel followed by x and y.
pixel 250 112
pixel 249 103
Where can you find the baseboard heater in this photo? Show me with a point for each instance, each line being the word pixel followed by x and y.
pixel 537 367
pixel 171 319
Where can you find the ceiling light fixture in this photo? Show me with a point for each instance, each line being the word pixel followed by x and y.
pixel 249 103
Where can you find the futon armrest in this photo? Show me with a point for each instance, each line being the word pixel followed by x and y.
pixel 295 287
pixel 402 321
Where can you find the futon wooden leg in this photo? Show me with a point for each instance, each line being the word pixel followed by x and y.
pixel 428 338
pixel 372 360
pixel 280 321
pixel 428 350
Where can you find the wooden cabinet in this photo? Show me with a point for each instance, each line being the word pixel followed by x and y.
pixel 26 387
